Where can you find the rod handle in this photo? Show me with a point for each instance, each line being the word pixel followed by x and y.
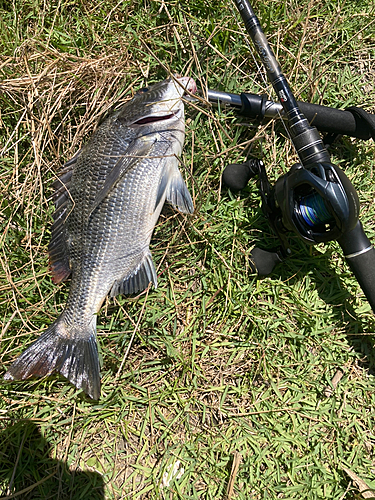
pixel 360 255
pixel 353 122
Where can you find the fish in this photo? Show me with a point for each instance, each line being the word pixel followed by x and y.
pixel 108 199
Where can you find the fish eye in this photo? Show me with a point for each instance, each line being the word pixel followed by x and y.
pixel 145 89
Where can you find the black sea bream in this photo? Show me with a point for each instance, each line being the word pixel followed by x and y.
pixel 108 201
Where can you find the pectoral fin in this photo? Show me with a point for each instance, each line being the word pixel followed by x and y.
pixel 134 153
pixel 177 192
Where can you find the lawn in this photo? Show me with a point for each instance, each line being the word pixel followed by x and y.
pixel 217 384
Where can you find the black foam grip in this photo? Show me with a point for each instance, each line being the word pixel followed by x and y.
pixel 362 116
pixel 360 256
pixel 363 267
pixel 337 121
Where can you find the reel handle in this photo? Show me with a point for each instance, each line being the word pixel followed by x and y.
pixel 360 255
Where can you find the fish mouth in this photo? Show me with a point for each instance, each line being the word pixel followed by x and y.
pixel 156 118
pixel 188 83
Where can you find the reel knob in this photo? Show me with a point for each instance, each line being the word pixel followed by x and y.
pixel 262 261
pixel 237 175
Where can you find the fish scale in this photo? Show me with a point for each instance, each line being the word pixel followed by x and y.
pixel 108 200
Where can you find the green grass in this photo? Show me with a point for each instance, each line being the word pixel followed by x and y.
pixel 221 363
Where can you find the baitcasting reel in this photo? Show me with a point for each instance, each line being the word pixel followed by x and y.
pixel 318 204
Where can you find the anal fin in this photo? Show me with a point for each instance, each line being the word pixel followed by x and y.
pixel 138 280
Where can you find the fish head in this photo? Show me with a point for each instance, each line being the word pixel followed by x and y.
pixel 158 107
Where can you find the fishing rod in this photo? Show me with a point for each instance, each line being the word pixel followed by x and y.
pixel 315 199
pixel 353 121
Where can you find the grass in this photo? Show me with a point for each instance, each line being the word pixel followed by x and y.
pixel 228 378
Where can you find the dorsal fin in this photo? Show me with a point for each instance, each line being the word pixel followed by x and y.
pixel 58 247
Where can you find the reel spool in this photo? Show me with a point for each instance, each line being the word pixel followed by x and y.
pixel 319 204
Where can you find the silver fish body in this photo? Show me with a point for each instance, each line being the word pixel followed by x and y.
pixel 107 202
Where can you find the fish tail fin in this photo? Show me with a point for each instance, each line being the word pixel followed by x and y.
pixel 60 350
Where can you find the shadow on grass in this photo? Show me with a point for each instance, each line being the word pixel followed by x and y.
pixel 359 330
pixel 331 289
pixel 27 470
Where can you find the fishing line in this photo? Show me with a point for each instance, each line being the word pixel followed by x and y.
pixel 313 210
